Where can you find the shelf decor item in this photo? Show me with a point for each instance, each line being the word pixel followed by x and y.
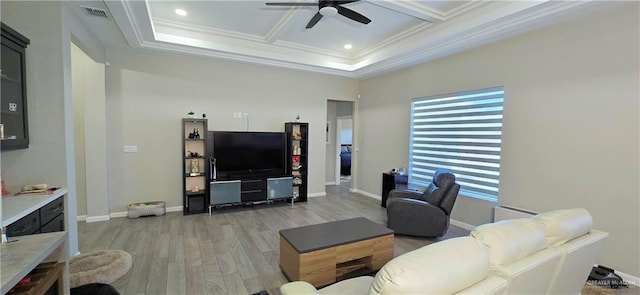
pixel 194 167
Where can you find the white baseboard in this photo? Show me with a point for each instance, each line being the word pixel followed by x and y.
pixel 90 219
pixel 368 194
pixel 118 214
pixel 330 183
pixel 174 209
pixel 320 194
pixel 81 217
pixel 462 224
pixel 353 190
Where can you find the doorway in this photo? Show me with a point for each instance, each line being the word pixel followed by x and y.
pixel 339 144
pixel 344 161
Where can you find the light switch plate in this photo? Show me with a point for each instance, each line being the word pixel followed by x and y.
pixel 130 148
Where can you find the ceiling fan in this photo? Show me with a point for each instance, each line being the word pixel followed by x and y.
pixel 327 8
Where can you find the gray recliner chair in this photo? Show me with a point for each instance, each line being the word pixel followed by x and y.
pixel 423 214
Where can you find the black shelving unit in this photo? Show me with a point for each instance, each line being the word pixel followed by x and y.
pixel 195 185
pixel 297 157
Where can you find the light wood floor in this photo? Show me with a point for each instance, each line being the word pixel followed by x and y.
pixel 234 251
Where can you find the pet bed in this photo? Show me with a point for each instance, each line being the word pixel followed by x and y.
pixel 104 266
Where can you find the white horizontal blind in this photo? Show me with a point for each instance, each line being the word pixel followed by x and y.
pixel 461 132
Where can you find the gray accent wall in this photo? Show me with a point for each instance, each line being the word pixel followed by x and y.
pixel 148 93
pixel 571 122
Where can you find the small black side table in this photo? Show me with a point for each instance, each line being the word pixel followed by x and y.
pixel 392 181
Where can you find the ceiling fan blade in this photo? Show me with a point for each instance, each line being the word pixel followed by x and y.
pixel 346 1
pixel 314 20
pixel 291 4
pixel 353 15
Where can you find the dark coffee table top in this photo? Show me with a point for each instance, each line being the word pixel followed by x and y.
pixel 325 235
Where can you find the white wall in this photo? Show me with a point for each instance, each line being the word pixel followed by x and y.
pixel 330 166
pixel 148 93
pixel 571 122
pixel 88 85
pixel 346 132
pixel 345 109
pixel 50 25
pixel 77 88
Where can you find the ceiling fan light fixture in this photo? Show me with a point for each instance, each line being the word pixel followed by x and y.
pixel 328 11
pixel 180 12
pixel 348 46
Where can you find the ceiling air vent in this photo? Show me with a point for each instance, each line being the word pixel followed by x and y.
pixel 95 11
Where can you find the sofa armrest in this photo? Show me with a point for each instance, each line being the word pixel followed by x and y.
pixel 416 217
pixel 298 288
pixel 409 206
pixel 405 193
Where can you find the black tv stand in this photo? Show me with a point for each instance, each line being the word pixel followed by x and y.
pixel 253 190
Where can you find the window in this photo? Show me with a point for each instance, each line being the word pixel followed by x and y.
pixel 462 132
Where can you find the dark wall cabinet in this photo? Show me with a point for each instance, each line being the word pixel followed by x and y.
pixel 14 131
pixel 49 218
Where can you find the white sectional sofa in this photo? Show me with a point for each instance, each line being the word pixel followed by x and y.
pixel 550 253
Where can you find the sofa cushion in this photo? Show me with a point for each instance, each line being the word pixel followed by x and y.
pixel 561 226
pixel 510 240
pixel 358 285
pixel 440 268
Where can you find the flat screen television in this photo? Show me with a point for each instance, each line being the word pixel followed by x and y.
pixel 238 153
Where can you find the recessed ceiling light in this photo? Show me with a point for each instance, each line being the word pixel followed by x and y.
pixel 348 46
pixel 181 12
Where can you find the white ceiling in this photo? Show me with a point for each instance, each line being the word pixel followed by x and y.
pixel 401 33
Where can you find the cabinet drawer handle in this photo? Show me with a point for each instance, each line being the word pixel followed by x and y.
pixel 28 226
pixel 251 191
pixel 55 209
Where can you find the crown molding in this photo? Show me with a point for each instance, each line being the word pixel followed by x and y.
pixel 412 9
pixel 483 22
pixel 194 51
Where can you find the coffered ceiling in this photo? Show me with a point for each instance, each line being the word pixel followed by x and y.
pixel 401 33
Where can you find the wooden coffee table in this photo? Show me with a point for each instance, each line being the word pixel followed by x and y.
pixel 320 253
